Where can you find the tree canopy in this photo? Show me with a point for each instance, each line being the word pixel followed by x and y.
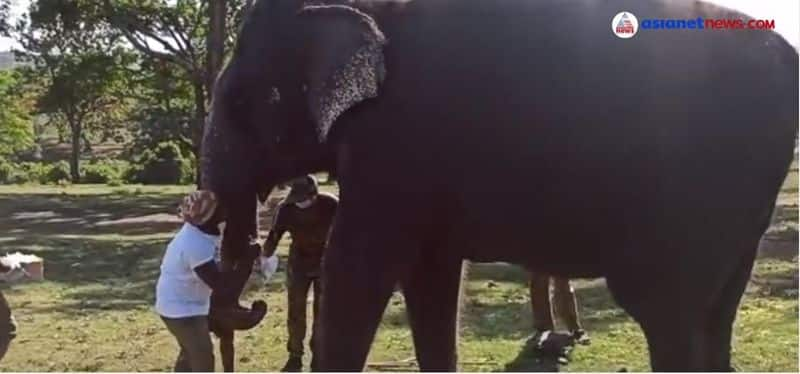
pixel 137 71
pixel 16 126
pixel 82 66
pixel 192 35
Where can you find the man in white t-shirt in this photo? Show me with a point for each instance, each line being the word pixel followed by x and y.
pixel 188 276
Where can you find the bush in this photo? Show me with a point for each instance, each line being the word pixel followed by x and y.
pixel 33 172
pixel 131 175
pixel 55 173
pixel 104 171
pixel 38 172
pixel 26 172
pixel 164 164
pixel 17 176
pixel 6 171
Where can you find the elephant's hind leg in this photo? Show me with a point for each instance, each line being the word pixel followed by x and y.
pixel 723 314
pixel 432 298
pixel 676 346
pixel 672 319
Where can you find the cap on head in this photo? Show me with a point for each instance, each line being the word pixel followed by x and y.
pixel 198 207
pixel 302 189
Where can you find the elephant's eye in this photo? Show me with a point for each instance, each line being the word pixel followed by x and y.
pixel 274 96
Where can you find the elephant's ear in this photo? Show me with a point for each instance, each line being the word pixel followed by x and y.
pixel 345 64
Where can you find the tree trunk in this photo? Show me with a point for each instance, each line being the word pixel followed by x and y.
pixel 74 162
pixel 215 47
pixel 215 42
pixel 199 124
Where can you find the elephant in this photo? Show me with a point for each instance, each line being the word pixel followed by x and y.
pixel 483 131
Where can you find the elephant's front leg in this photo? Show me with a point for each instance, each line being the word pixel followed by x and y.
pixel 359 274
pixel 432 298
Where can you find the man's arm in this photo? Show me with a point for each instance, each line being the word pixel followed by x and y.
pixel 279 227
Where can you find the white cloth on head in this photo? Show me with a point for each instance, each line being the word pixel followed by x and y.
pixel 180 292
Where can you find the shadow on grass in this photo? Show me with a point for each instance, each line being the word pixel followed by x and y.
pixel 105 249
pixel 532 359
pixel 42 215
pixel 784 225
pixel 118 271
pixel 778 279
pixel 785 250
pixel 491 311
pixel 497 272
pixel 90 247
pixel 512 319
pixel 599 314
pixel 101 275
pixel 81 261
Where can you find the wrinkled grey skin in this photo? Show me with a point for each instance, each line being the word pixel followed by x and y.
pixel 497 131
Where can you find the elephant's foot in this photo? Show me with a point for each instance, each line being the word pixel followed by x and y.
pixel 293 365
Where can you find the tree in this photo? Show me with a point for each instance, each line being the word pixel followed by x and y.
pixel 164 110
pixel 82 66
pixel 5 8
pixel 16 125
pixel 193 35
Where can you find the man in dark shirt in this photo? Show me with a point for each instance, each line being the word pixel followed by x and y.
pixel 307 215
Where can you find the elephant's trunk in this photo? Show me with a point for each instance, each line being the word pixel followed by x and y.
pixel 226 170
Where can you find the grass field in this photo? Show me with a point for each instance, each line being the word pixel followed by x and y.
pixel 102 246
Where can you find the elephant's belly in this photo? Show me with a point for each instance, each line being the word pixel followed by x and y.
pixel 549 255
pixel 559 238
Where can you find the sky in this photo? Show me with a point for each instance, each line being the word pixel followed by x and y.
pixel 786 14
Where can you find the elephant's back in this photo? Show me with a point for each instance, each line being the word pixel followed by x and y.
pixel 505 57
pixel 543 121
pixel 539 83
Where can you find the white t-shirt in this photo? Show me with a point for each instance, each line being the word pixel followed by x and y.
pixel 180 292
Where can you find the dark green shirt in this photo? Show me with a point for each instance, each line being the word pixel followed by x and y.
pixel 309 228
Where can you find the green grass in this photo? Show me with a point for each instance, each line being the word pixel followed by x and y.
pixel 102 247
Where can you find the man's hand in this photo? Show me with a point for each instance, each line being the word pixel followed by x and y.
pixel 251 252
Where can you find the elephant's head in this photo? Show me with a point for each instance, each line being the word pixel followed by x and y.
pixel 294 73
